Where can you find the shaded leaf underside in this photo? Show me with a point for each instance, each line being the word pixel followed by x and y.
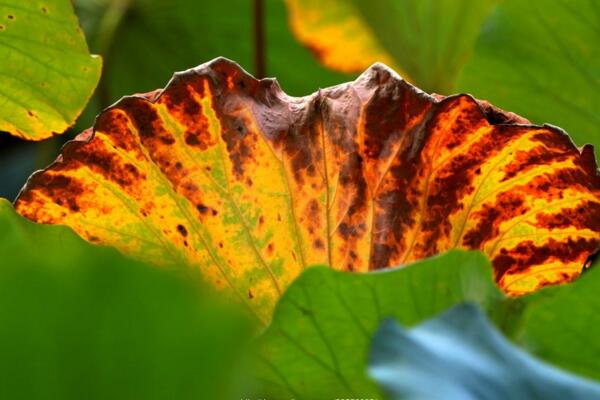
pixel 251 186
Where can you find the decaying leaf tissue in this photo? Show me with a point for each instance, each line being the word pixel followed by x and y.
pixel 251 186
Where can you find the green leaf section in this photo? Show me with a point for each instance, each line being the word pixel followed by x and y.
pixel 83 322
pixel 460 355
pixel 541 59
pixel 46 74
pixel 316 346
pixel 430 40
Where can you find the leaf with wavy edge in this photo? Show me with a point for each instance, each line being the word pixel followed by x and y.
pixel 251 186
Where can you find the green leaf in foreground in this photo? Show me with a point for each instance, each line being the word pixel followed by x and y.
pixel 317 344
pixel 46 74
pixel 79 321
pixel 460 355
pixel 541 59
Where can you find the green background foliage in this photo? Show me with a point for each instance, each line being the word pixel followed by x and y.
pixel 562 324
pixel 151 39
pixel 541 59
pixel 431 40
pixel 81 321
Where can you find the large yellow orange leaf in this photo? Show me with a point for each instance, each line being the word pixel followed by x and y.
pixel 250 186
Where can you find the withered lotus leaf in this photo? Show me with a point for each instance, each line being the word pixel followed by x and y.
pixel 250 186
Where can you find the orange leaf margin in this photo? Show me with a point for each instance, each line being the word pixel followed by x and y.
pixel 249 185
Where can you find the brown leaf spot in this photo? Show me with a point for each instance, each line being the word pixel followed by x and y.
pixel 182 231
pixel 454 182
pixel 62 189
pixel 241 143
pixel 205 210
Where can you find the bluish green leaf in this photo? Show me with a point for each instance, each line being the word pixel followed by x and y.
pixel 460 355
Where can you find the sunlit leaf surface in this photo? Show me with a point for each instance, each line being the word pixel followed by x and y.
pixel 46 72
pixel 250 186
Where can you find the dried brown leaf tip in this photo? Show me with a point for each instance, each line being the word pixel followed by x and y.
pixel 250 186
